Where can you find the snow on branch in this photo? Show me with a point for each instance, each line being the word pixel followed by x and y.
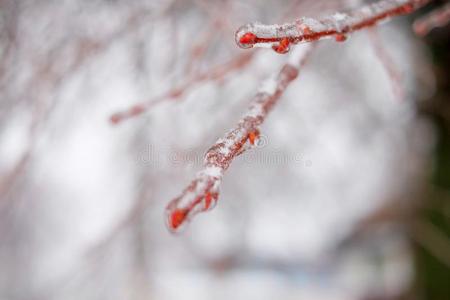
pixel 202 193
pixel 305 29
pixel 436 18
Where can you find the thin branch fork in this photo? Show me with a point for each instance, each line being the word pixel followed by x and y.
pixel 280 37
pixel 202 193
pixel 215 73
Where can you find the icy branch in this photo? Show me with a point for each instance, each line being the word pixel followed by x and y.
pixel 305 29
pixel 202 193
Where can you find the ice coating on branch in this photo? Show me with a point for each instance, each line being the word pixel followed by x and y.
pixel 202 193
pixel 280 37
pixel 269 86
pixel 261 35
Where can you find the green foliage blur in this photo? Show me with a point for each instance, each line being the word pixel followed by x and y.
pixel 432 256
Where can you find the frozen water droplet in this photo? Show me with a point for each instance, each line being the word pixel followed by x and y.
pixel 245 38
pixel 248 38
pixel 252 137
pixel 340 37
pixel 176 219
pixel 209 201
pixel 282 47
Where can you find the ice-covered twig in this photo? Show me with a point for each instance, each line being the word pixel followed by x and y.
pixel 202 193
pixel 217 72
pixel 305 29
pixel 436 18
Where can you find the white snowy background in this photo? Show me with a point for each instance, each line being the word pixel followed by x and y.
pixel 314 212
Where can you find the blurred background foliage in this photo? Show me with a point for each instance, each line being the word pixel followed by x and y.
pixel 432 233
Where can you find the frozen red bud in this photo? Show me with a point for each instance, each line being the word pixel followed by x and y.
pixel 208 200
pixel 177 218
pixel 248 38
pixel 340 37
pixel 282 47
pixel 253 136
